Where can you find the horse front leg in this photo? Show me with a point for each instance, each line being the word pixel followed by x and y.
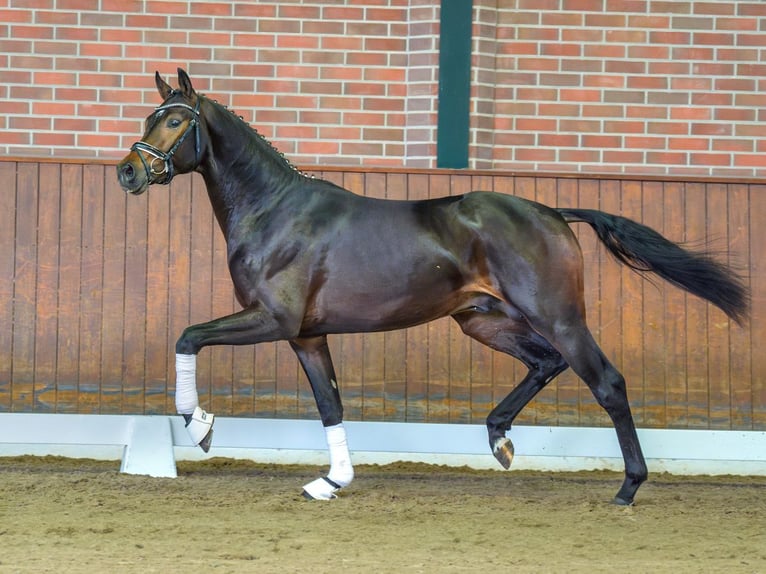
pixel 247 327
pixel 314 356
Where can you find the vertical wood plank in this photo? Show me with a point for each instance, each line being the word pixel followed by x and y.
pixel 717 228
pixel 70 278
pixel 157 253
pixel 8 215
pixel 758 321
pixel 114 311
pixel 47 298
pixel 91 289
pixel 676 396
pixel 25 281
pixel 740 253
pixel 134 337
pixel 697 328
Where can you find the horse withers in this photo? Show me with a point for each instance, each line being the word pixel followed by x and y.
pixel 310 259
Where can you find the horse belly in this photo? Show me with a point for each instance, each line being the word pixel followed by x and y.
pixel 380 303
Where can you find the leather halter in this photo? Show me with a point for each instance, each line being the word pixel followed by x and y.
pixel 165 158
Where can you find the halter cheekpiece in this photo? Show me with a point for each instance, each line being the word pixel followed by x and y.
pixel 164 159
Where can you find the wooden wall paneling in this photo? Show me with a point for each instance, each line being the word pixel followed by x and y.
pixel 438 393
pixel 114 312
pixel 740 254
pixel 395 342
pixel 98 286
pixel 47 292
pixel 203 227
pixel 25 280
pixel 653 321
pixel 70 283
pixel 719 390
pixel 134 336
pixel 697 328
pixel 632 314
pixel 674 305
pixel 416 388
pixel 156 321
pixel 373 348
pixel 8 218
pixel 91 289
pixel 757 324
pixel 611 298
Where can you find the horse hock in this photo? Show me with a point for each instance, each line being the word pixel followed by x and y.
pixel 199 424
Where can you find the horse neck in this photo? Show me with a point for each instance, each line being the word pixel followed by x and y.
pixel 242 171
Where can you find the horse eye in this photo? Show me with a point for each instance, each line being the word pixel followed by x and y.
pixel 174 123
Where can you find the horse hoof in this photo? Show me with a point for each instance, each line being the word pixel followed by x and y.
pixel 503 451
pixel 618 501
pixel 320 489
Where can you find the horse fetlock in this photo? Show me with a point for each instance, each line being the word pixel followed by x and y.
pixel 502 448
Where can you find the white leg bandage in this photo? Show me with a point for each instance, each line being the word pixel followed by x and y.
pixel 186 384
pixel 199 424
pixel 341 471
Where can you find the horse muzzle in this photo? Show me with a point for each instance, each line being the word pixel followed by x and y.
pixel 133 180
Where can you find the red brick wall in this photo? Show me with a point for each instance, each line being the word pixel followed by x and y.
pixel 636 86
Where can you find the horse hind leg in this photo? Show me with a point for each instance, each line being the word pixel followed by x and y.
pixel 607 384
pixel 515 338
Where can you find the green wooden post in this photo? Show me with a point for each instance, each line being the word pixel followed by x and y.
pixel 454 83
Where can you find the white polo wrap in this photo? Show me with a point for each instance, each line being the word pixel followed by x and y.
pixel 341 470
pixel 186 384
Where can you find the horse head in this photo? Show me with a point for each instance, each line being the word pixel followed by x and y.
pixel 173 139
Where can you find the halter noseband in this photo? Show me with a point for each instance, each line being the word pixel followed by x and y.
pixel 165 158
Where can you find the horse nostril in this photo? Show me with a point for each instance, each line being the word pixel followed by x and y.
pixel 128 172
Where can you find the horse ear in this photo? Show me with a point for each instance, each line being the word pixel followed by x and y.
pixel 162 86
pixel 184 82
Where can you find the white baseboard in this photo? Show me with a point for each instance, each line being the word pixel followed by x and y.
pixel 152 444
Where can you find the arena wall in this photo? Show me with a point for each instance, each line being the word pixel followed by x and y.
pixel 95 287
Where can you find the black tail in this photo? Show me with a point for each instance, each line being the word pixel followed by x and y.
pixel 644 250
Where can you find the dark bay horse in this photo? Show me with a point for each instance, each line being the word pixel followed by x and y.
pixel 309 259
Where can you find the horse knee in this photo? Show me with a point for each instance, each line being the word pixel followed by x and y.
pixel 186 344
